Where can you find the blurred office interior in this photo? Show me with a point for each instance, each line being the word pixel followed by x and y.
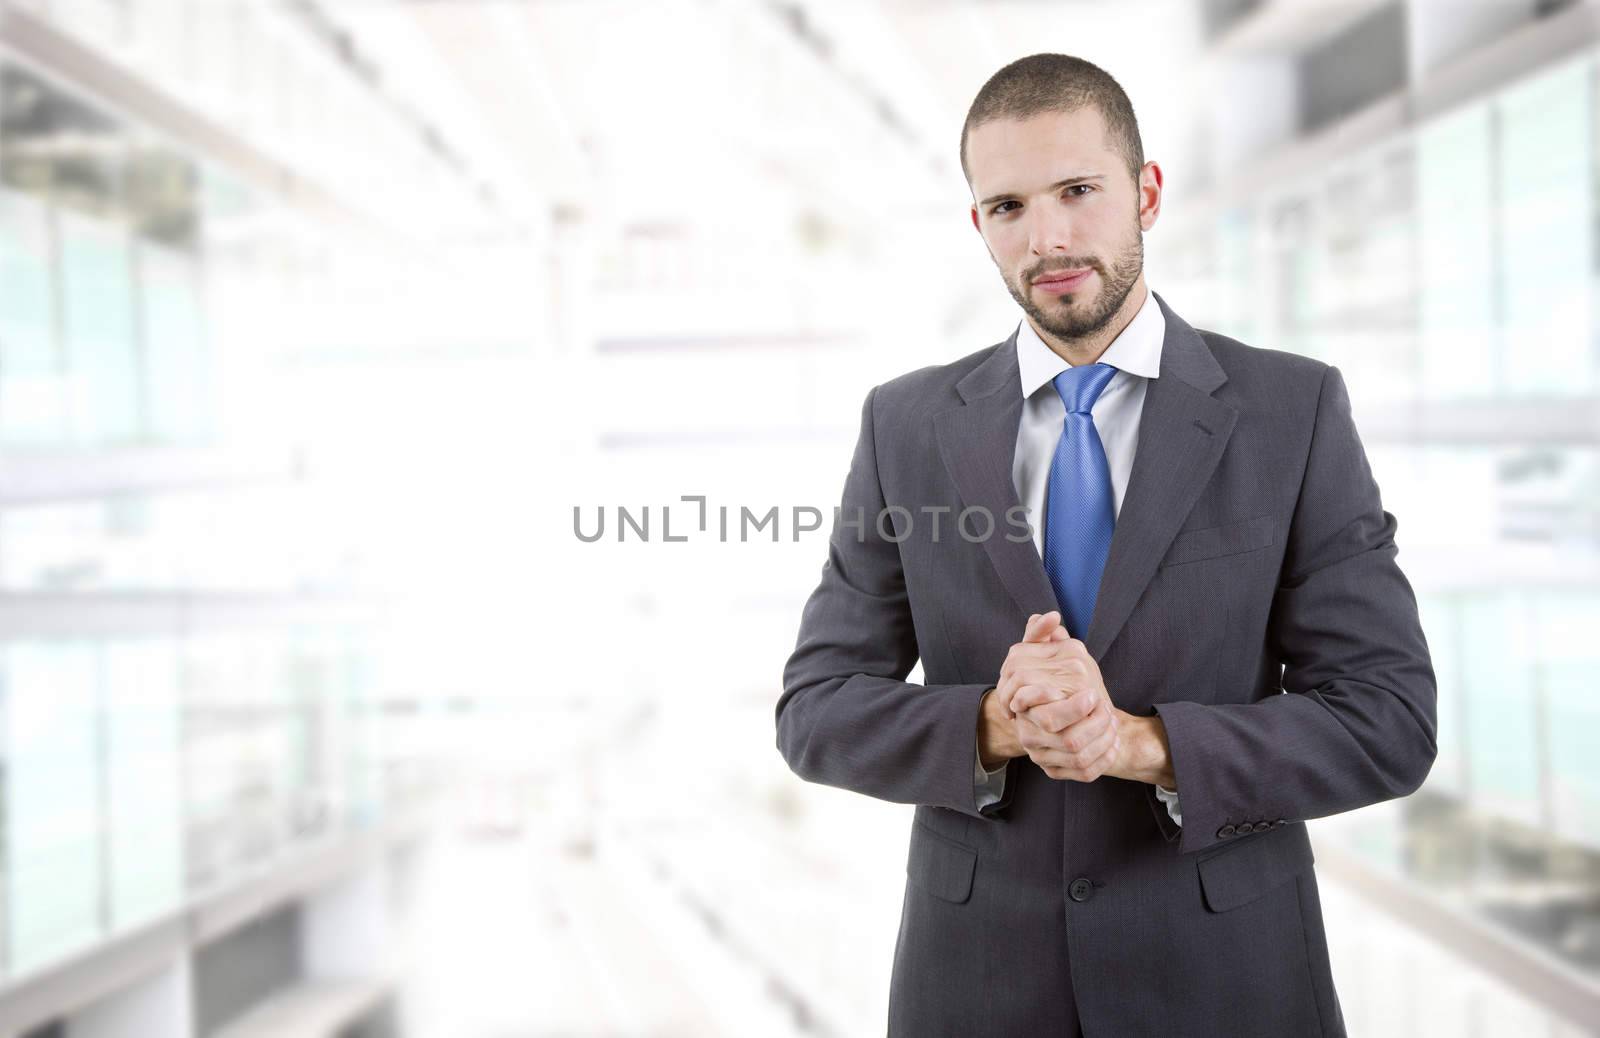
pixel 330 328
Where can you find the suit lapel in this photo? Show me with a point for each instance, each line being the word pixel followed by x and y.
pixel 1183 431
pixel 1182 434
pixel 978 442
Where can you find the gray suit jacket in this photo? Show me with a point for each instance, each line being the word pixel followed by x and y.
pixel 1251 598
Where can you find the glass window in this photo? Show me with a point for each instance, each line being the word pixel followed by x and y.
pixel 98 330
pixel 1497 682
pixel 32 388
pixel 141 739
pixel 1440 625
pixel 177 362
pixel 1455 211
pixel 1546 219
pixel 1568 661
pixel 51 813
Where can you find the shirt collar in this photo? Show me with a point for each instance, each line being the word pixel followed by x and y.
pixel 1136 350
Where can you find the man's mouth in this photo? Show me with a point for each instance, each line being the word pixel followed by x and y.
pixel 1059 281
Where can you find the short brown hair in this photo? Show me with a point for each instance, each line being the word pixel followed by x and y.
pixel 1057 83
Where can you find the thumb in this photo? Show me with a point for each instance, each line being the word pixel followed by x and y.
pixel 1040 628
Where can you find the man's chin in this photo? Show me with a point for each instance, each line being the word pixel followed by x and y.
pixel 1078 301
pixel 1058 307
pixel 1069 330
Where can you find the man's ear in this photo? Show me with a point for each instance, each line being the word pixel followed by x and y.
pixel 1149 197
pixel 975 220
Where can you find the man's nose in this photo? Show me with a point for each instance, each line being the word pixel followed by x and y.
pixel 1049 232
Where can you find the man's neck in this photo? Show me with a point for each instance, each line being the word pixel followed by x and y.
pixel 1088 349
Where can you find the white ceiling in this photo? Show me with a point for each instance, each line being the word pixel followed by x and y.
pixel 737 110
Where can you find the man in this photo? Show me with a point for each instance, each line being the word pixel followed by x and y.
pixel 1199 639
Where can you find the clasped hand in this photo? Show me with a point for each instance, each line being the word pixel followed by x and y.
pixel 1053 690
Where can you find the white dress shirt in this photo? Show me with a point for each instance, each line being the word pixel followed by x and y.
pixel 1136 354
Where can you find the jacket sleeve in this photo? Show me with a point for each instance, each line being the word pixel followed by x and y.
pixel 847 718
pixel 1355 724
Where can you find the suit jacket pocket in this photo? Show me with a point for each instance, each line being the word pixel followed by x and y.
pixel 940 865
pixel 1242 873
pixel 1216 541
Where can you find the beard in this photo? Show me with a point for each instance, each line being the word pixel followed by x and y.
pixel 1060 317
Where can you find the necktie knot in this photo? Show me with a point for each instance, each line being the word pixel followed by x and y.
pixel 1080 386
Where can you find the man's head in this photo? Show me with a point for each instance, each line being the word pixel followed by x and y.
pixel 1052 155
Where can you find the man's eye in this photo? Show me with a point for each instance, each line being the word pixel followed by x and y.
pixel 1074 187
pixel 997 208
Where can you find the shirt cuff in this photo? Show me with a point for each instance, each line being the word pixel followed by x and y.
pixel 1169 797
pixel 988 786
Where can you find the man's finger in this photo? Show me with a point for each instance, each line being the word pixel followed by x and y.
pixel 1040 625
pixel 1030 694
pixel 1060 714
pixel 1038 650
pixel 1058 621
pixel 1024 696
pixel 1045 693
pixel 1099 747
pixel 1041 630
pixel 1062 677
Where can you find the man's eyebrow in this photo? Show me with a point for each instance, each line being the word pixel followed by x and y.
pixel 1057 186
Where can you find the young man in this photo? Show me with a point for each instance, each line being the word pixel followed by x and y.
pixel 1199 640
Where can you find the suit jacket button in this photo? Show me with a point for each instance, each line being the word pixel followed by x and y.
pixel 1226 830
pixel 1244 828
pixel 1081 889
pixel 1280 822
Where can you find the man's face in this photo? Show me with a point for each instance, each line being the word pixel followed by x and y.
pixel 1038 228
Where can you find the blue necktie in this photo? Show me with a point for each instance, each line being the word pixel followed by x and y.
pixel 1079 514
